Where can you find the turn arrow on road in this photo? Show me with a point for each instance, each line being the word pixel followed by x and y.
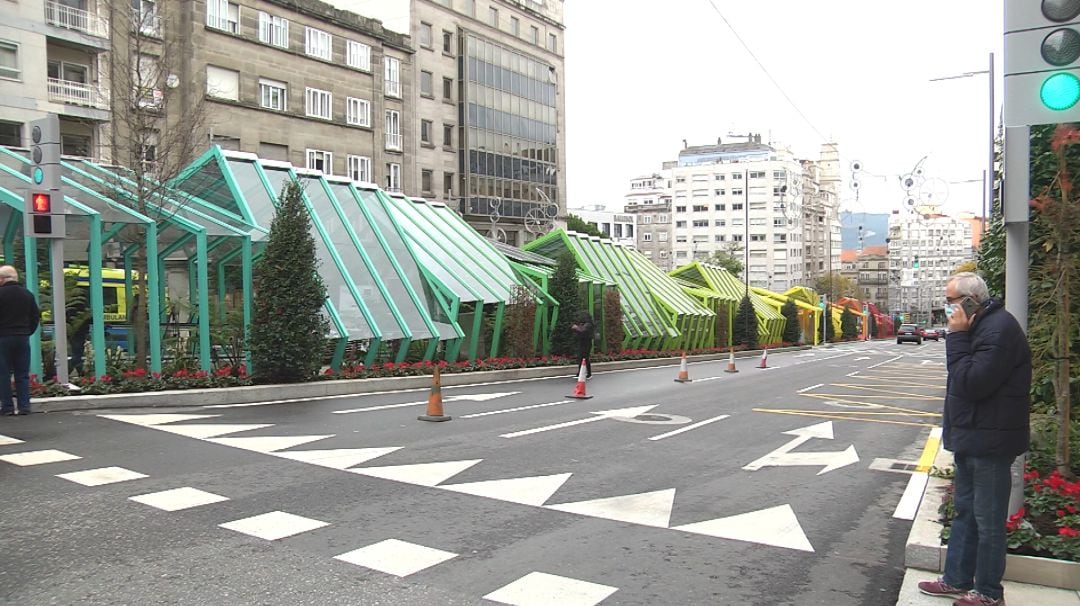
pixel 784 457
pixel 623 413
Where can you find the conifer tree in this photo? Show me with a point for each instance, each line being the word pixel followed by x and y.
pixel 744 329
pixel 849 327
pixel 564 288
pixel 288 330
pixel 792 329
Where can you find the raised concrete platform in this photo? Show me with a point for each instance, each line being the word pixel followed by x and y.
pixel 1016 594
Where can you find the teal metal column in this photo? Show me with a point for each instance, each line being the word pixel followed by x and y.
pixel 454 346
pixel 478 324
pixel 97 305
pixel 129 294
pixel 496 332
pixel 246 265
pixel 153 303
pixel 204 303
pixel 30 252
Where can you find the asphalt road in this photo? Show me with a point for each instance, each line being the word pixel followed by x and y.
pixel 775 486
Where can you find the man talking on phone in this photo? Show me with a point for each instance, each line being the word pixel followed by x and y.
pixel 985 426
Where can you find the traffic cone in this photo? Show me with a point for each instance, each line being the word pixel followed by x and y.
pixel 579 390
pixel 684 374
pixel 731 362
pixel 434 403
pixel 764 359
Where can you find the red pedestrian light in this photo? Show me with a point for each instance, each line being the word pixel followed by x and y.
pixel 41 203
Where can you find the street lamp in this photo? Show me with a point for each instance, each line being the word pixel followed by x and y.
pixel 988 188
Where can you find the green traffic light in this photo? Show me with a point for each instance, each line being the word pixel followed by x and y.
pixel 1060 91
pixel 39 176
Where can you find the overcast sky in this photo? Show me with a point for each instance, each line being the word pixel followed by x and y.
pixel 641 76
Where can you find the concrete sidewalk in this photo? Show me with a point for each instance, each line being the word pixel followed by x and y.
pixel 1016 594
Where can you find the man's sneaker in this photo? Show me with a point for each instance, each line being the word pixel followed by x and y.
pixel 941 588
pixel 974 598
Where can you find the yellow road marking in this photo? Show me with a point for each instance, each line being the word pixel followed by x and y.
pixel 885 385
pixel 824 415
pixel 926 461
pixel 899 395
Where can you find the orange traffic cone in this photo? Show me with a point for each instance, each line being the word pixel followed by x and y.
pixel 434 403
pixel 731 362
pixel 684 374
pixel 579 391
pixel 764 359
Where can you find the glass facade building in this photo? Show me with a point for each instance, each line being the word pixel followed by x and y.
pixel 509 123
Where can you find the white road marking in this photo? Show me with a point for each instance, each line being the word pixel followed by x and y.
pixel 482 397
pixel 527 491
pixel 909 503
pixel 776 526
pixel 202 432
pixel 178 498
pixel 689 427
pixel 601 415
pixel 422 474
pixel 101 476
pixel 338 458
pixel 8 441
pixel 38 457
pixel 155 419
pixel 783 456
pixel 647 508
pixel 274 525
pixel 399 558
pixel 516 409
pixel 542 589
pixel 883 363
pixel 806 389
pixel 267 444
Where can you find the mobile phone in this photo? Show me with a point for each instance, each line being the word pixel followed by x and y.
pixel 969 306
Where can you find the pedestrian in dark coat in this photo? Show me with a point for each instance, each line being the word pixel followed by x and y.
pixel 584 331
pixel 19 318
pixel 985 425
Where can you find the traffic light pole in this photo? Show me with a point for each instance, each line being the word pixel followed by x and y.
pixel 1016 192
pixel 59 315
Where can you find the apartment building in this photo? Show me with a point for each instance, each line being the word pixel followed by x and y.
pixel 650 203
pixel 489 121
pixel 54 58
pixel 924 249
pixel 822 238
pixel 621 228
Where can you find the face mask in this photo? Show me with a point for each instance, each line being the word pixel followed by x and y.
pixel 949 310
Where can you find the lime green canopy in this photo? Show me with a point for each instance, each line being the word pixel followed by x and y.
pixel 728 292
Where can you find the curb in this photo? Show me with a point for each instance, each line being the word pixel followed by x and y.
pixel 925 551
pixel 348 387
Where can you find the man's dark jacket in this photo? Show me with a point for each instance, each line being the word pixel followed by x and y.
pixel 19 313
pixel 987 400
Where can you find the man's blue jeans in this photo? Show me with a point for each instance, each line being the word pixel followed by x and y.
pixel 15 360
pixel 977 542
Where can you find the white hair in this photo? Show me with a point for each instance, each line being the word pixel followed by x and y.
pixel 969 284
pixel 8 274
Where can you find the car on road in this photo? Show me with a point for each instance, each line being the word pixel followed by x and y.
pixel 934 333
pixel 909 332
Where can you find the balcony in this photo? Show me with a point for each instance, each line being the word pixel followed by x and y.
pixel 77 19
pixel 393 141
pixel 77 93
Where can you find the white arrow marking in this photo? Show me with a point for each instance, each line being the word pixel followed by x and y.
pixel 776 526
pixel 479 397
pixel 689 427
pixel 527 491
pixel 648 508
pixel 784 457
pixel 601 415
pixel 862 358
pixel 515 409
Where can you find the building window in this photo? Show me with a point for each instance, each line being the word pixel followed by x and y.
pixel 393 176
pixel 448 89
pixel 425 181
pixel 222 14
pixel 720 222
pixel 425 35
pixel 534 34
pixel 273 30
pixel 736 176
pixel 320 160
pixel 273 94
pixel 701 223
pixel 359 168
pixel 679 224
pixel 553 43
pixel 318 43
pixel 427 84
pixel 515 26
pixel 448 42
pixel 318 103
pixel 470 8
pixel 647 219
pixel 757 175
pixel 11 134
pixel 393 77
pixel 425 131
pixel 144 17
pixel 448 135
pixel 680 209
pixel 393 129
pixel 9 60
pixel 493 16
pixel 448 184
pixel 646 237
pixel 222 83
pixel 357 111
pixel 358 55
pixel 701 208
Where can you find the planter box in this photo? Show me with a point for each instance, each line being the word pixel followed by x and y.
pixel 925 551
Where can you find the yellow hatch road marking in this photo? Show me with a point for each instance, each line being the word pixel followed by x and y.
pixel 841 416
pixel 839 398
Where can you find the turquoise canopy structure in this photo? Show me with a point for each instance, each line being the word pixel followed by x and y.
pixel 657 314
pixel 717 288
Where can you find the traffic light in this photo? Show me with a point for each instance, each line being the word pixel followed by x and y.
pixel 1042 62
pixel 44 210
